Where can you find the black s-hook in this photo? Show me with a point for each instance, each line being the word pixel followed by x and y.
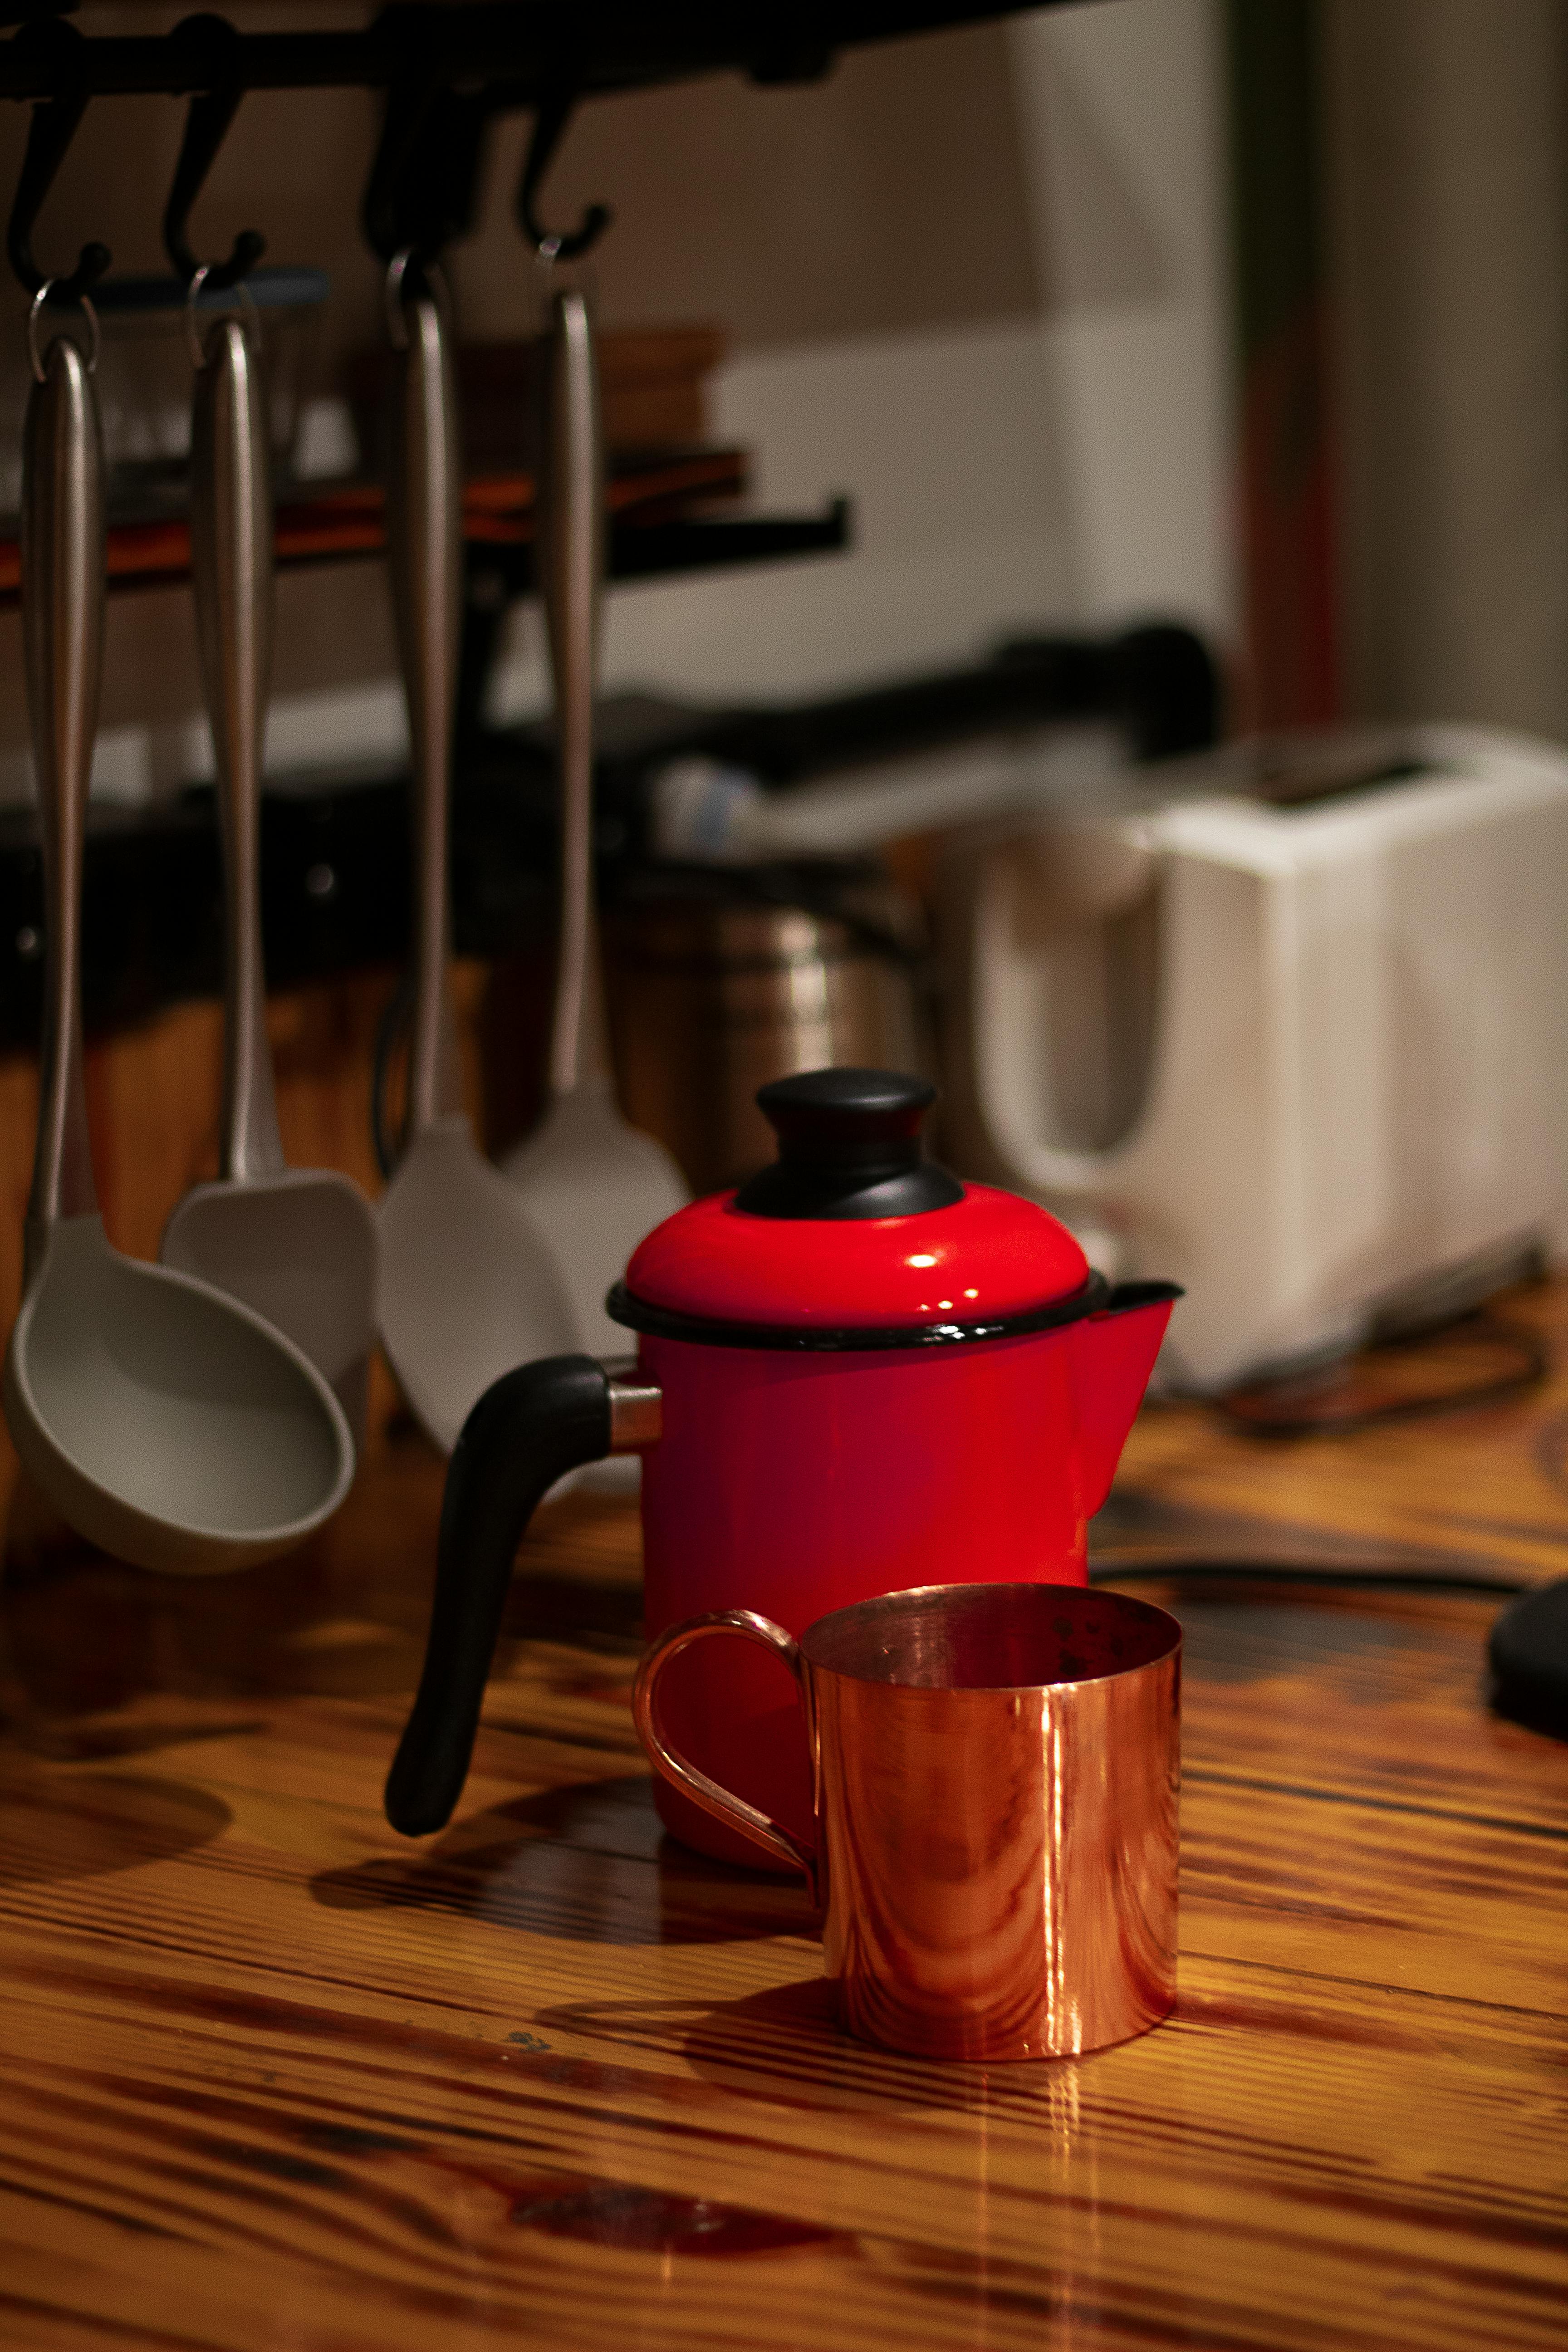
pixel 211 44
pixel 57 47
pixel 554 113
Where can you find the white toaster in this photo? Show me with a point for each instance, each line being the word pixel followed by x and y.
pixel 1287 1022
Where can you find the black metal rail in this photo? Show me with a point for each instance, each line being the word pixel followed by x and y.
pixel 447 72
pixel 527 48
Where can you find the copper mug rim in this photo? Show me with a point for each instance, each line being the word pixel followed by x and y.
pixel 896 1606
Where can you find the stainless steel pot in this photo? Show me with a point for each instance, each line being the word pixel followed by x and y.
pixel 718 984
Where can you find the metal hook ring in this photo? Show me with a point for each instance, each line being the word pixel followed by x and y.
pixel 392 296
pixel 554 245
pixel 564 245
pixel 429 275
pixel 245 304
pixel 40 298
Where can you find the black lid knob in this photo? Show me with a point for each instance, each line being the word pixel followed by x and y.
pixel 849 1146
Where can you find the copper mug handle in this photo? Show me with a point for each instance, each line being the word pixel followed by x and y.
pixel 722 1803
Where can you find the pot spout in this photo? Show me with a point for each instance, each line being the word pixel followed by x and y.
pixel 1115 1355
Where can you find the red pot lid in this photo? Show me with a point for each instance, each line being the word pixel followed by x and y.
pixel 851 1229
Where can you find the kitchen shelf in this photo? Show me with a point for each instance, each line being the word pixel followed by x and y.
pixel 652 529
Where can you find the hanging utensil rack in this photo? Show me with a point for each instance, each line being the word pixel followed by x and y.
pixel 447 72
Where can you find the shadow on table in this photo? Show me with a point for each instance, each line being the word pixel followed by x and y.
pixel 588 1862
pixel 63 1825
pixel 83 1635
pixel 783 2044
pixel 638 2219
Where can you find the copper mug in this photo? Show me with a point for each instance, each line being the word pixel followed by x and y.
pixel 995 1769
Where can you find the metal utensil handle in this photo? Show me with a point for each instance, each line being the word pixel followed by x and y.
pixel 722 1803
pixel 571 552
pixel 62 632
pixel 231 563
pixel 426 548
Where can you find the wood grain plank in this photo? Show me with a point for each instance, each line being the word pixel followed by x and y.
pixel 1479 1492
pixel 270 2075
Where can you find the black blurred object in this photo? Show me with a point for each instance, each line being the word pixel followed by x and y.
pixel 1528 1654
pixel 478 50
pixel 1158 682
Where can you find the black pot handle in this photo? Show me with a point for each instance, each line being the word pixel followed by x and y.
pixel 528 1429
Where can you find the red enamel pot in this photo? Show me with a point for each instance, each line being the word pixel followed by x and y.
pixel 854 1376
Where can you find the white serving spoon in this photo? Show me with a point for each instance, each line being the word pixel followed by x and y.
pixel 468 1289
pixel 593 1184
pixel 165 1421
pixel 298 1244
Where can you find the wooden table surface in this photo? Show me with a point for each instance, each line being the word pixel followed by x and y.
pixel 272 2078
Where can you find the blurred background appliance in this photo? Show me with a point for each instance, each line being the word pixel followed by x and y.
pixel 722 982
pixel 1288 1019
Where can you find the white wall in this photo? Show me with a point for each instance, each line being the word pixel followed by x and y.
pixel 949 448
pixel 1071 468
pixel 1124 123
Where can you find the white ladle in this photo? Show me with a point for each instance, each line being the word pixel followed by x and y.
pixel 298 1244
pixel 468 1289
pixel 593 1184
pixel 166 1421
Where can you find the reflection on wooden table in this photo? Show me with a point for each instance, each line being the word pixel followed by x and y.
pixel 271 2078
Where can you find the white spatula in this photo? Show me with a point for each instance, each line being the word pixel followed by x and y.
pixel 593 1185
pixel 468 1290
